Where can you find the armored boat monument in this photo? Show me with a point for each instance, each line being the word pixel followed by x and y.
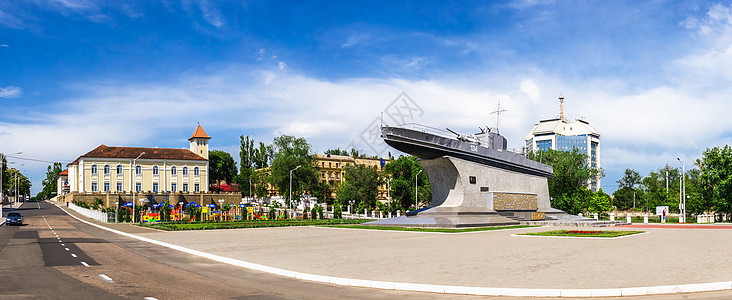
pixel 475 179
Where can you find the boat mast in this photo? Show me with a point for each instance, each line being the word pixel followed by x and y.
pixel 498 115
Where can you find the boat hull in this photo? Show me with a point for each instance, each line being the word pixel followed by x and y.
pixel 427 145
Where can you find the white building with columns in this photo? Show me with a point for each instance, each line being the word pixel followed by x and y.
pixel 122 170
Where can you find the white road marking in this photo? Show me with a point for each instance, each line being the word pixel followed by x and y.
pixel 67 249
pixel 72 254
pixel 39 205
pixel 106 278
pixel 63 245
pixel 85 264
pixel 150 298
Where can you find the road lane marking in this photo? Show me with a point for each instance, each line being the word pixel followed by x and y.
pixel 63 245
pixel 67 249
pixel 72 254
pixel 106 278
pixel 150 298
pixel 85 264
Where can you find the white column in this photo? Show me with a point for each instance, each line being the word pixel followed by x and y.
pixel 81 176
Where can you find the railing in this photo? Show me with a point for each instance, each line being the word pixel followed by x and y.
pixel 427 129
pixel 94 214
pixel 447 134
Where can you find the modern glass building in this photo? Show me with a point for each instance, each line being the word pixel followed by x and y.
pixel 563 135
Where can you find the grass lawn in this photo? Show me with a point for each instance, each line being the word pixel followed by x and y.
pixel 585 233
pixel 419 229
pixel 249 224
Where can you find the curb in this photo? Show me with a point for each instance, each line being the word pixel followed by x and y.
pixel 432 288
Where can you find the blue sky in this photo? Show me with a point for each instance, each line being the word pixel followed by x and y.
pixel 653 77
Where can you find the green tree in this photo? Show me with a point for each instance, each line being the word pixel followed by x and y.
pixel 17 180
pixel 715 180
pixel 402 171
pixel 292 152
pixel 51 181
pixel 336 151
pixel 599 202
pixel 323 191
pixel 571 172
pixel 259 183
pixel 221 167
pixel 361 184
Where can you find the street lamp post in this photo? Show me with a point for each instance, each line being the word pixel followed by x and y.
pixel 416 202
pixel 387 195
pixel 289 195
pixel 682 193
pixel 133 184
pixel 17 182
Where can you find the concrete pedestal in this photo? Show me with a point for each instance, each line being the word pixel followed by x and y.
pixel 468 194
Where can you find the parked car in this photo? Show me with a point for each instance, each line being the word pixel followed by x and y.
pixel 14 218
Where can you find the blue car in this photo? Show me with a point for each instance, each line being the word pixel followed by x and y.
pixel 14 218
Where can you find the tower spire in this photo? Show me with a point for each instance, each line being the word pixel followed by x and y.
pixel 561 106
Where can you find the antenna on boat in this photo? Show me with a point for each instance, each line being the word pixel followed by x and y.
pixel 498 115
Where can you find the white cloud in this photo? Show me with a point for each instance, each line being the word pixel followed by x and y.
pixel 10 92
pixel 4 45
pixel 530 89
pixel 281 65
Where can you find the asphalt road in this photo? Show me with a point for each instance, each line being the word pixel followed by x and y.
pixel 54 256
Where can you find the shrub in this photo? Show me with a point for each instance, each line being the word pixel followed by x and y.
pixel 313 212
pixel 337 212
pixel 320 212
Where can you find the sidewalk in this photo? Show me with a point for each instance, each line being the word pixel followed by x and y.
pixel 494 262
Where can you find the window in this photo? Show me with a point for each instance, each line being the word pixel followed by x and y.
pixel 119 186
pixel 155 187
pixel 323 164
pixel 138 187
pixel 323 173
pixel 106 186
pixel 336 165
pixel 94 187
pixel 138 170
pixel 155 170
pixel 185 171
pixel 174 187
pixel 196 172
pixel 544 145
pixel 106 170
pixel 119 169
pixel 329 165
pixel 94 169
pixel 185 186
pixel 173 171
pixel 196 187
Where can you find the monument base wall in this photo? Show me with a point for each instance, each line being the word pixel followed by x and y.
pixel 468 194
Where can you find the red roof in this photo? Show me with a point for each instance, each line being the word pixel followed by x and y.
pixel 64 172
pixel 103 151
pixel 199 133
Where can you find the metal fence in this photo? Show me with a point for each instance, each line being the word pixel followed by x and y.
pixel 94 214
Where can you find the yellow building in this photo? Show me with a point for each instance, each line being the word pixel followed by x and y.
pixel 148 170
pixel 332 167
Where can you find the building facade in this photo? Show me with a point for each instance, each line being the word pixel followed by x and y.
pixel 564 135
pixel 332 167
pixel 142 170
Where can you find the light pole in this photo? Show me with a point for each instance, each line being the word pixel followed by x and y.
pixel 416 203
pixel 133 184
pixel 682 193
pixel 17 182
pixel 387 195
pixel 290 194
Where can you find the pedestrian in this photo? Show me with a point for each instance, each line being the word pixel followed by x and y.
pixel 663 219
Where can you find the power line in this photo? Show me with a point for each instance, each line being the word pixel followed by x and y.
pixel 31 159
